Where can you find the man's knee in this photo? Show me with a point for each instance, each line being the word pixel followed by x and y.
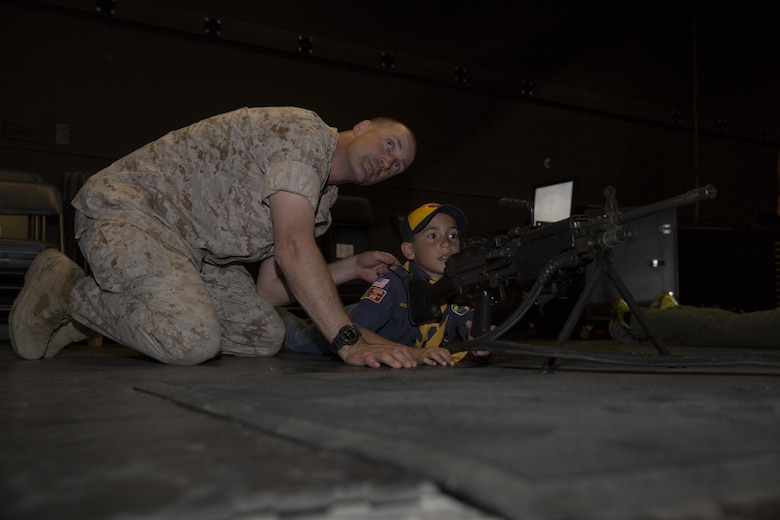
pixel 194 355
pixel 274 334
pixel 185 344
pixel 263 337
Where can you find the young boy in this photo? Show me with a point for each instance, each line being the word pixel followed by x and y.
pixel 429 235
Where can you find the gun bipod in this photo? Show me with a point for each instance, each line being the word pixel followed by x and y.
pixel 604 267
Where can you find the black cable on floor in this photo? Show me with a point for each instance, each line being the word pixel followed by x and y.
pixel 618 359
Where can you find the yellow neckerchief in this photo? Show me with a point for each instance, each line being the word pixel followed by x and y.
pixel 437 338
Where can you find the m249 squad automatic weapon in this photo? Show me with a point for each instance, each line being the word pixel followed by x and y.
pixel 538 256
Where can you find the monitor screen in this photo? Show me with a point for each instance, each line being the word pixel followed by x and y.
pixel 552 202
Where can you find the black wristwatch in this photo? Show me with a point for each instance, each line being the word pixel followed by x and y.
pixel 348 335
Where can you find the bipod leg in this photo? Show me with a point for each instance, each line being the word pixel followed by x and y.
pixel 571 321
pixel 636 311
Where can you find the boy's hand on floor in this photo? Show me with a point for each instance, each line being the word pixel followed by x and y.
pixel 433 356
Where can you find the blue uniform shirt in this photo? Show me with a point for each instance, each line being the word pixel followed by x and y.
pixel 384 309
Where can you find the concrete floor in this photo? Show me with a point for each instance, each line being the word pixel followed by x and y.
pixel 104 433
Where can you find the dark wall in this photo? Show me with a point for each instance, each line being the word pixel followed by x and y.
pixel 652 103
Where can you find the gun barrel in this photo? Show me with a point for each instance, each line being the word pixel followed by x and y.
pixel 689 197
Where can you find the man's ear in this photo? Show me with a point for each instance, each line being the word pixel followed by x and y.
pixel 362 126
pixel 407 250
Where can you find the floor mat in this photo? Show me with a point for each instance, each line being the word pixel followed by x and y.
pixel 523 444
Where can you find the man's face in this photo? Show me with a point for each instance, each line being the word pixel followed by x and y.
pixel 432 246
pixel 379 152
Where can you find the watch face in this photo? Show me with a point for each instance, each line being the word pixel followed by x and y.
pixel 348 335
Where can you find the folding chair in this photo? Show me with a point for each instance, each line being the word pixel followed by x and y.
pixel 38 202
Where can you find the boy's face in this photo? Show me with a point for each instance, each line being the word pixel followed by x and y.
pixel 432 246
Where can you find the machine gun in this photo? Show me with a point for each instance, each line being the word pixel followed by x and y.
pixel 543 255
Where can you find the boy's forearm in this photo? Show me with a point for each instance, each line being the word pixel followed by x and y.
pixel 343 270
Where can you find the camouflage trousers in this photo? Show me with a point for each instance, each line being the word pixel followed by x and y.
pixel 150 295
pixel 704 326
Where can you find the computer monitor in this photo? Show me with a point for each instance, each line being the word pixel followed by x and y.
pixel 552 202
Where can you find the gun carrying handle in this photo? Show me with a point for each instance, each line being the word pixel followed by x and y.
pixel 481 324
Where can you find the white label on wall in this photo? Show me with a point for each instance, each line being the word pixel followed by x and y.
pixel 344 250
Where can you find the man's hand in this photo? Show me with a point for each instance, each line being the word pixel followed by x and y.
pixel 375 355
pixel 370 265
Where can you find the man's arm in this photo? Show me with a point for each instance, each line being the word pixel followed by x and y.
pixel 310 282
pixel 367 266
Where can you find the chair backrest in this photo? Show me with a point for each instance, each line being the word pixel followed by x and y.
pixel 351 230
pixel 35 200
pixel 29 198
pixel 20 176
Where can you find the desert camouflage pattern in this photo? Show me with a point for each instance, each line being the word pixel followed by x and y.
pixel 166 230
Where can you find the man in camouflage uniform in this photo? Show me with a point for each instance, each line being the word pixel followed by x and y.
pixel 167 230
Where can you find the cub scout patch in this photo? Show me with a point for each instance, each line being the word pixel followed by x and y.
pixel 460 310
pixel 375 294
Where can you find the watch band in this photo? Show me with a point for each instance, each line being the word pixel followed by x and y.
pixel 348 335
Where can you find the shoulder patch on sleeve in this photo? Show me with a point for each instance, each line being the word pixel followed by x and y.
pixel 375 294
pixel 460 310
